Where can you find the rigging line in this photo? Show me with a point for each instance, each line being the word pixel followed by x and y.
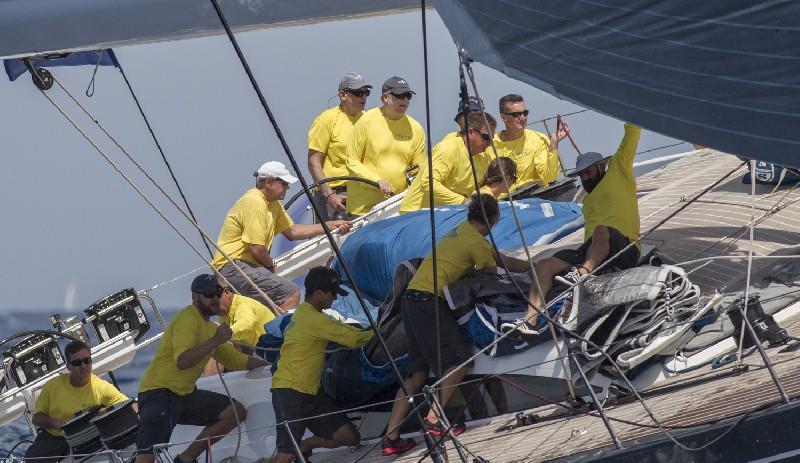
pixel 272 306
pixel 431 196
pixel 745 321
pixel 160 149
pixel 661 147
pixel 304 184
pixel 542 121
pixel 127 179
pixel 158 285
pixel 464 63
pixel 727 257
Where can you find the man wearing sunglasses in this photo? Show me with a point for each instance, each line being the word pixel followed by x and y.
pixel 327 144
pixel 167 392
pixel 296 382
pixel 385 142
pixel 453 182
pixel 534 153
pixel 65 396
pixel 247 233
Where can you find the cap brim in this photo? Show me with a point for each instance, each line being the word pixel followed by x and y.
pixel 340 291
pixel 288 178
pixel 575 172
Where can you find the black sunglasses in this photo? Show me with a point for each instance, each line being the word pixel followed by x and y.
pixel 518 113
pixel 358 93
pixel 485 136
pixel 403 95
pixel 216 293
pixel 77 362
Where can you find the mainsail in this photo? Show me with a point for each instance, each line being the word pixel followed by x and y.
pixel 720 74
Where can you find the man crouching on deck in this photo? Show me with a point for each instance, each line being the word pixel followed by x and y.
pixel 167 392
pixel 460 250
pixel 611 225
pixel 295 385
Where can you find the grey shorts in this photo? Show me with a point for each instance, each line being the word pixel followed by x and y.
pixel 419 319
pixel 275 286
pixel 47 445
pixel 616 243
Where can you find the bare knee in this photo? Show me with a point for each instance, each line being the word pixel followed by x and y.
pixel 347 435
pixel 291 301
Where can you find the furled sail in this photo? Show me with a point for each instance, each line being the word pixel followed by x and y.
pixel 723 74
pixel 30 27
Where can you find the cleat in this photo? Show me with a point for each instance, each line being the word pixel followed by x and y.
pixel 397 446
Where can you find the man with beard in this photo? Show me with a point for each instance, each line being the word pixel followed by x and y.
pixel 167 393
pixel 248 231
pixel 611 224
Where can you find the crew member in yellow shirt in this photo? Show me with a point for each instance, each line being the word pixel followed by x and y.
pixel 296 382
pixel 473 104
pixel 327 144
pixel 611 224
pixel 65 396
pixel 385 142
pixel 500 175
pixel 460 250
pixel 453 182
pixel 167 392
pixel 247 232
pixel 535 153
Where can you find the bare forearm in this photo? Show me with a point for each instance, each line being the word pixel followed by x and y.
pixel 513 264
pixel 315 159
pixel 191 357
pixel 261 254
pixel 255 362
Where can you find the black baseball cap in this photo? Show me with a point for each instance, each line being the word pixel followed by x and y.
pixel 203 284
pixel 324 279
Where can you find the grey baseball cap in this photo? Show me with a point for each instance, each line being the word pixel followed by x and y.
pixel 397 85
pixel 353 81
pixel 585 161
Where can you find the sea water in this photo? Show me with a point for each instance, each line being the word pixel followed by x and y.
pixel 127 377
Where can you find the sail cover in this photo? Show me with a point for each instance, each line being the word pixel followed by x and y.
pixel 374 252
pixel 724 74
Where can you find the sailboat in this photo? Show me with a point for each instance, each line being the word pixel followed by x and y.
pixel 709 211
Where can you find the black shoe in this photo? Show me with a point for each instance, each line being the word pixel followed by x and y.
pixel 520 329
pixel 178 459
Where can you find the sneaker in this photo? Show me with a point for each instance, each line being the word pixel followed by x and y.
pixel 571 278
pixel 178 459
pixel 520 329
pixel 436 429
pixel 397 446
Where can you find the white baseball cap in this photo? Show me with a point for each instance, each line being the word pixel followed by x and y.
pixel 274 169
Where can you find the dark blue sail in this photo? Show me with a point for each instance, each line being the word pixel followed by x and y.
pixel 722 74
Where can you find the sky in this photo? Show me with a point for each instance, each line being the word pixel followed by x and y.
pixel 74 231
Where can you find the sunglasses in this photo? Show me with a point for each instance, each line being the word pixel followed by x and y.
pixel 518 113
pixel 77 362
pixel 403 96
pixel 216 293
pixel 485 136
pixel 358 93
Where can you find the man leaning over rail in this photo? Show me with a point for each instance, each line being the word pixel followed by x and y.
pixel 63 397
pixel 611 224
pixel 167 392
pixel 247 233
pixel 295 384
pixel 453 182
pixel 460 250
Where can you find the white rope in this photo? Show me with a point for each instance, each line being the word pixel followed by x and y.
pixel 158 285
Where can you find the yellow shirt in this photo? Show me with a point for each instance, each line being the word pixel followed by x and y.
pixel 252 220
pixel 246 317
pixel 531 152
pixel 329 134
pixel 381 148
pixel 461 249
pixel 452 176
pixel 187 330
pixel 613 201
pixel 303 350
pixel 61 400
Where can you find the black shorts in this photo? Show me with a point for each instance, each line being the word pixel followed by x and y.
pixel 160 410
pixel 293 406
pixel 47 445
pixel 617 242
pixel 419 322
